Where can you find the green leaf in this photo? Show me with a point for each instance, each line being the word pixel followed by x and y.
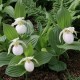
pixel 74 4
pixel 2 38
pixel 54 40
pixel 33 40
pixel 9 32
pixel 0 2
pixel 5 58
pixel 10 1
pixel 42 57
pixel 29 51
pixel 15 71
pixel 39 25
pixel 15 60
pixel 54 37
pixel 63 18
pixel 43 40
pixel 74 46
pixel 1 7
pixel 9 10
pixel 20 9
pixel 58 66
pixel 30 27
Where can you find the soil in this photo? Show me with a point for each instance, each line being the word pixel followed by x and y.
pixel 43 73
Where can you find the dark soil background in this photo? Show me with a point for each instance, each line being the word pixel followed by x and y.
pixel 43 73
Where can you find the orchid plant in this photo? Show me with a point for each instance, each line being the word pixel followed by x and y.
pixel 23 48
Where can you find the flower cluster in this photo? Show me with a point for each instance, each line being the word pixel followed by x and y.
pixel 17 45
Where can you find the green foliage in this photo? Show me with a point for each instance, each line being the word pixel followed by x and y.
pixel 1 7
pixel 54 41
pixel 43 43
pixel 2 38
pixel 35 12
pixel 15 60
pixel 9 32
pixel 74 46
pixel 32 40
pixel 58 66
pixel 0 2
pixel 20 9
pixel 10 1
pixel 15 71
pixel 5 60
pixel 9 10
pixel 29 51
pixel 42 57
pixel 63 17
pixel 30 27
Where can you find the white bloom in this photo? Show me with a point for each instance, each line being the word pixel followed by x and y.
pixel 20 25
pixel 19 21
pixel 29 66
pixel 21 29
pixel 67 36
pixel 17 49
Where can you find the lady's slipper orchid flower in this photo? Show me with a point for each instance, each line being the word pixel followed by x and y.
pixel 67 35
pixel 17 48
pixel 20 25
pixel 29 65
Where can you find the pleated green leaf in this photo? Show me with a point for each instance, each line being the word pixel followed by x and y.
pixel 29 51
pixel 32 40
pixel 20 9
pixel 15 71
pixel 63 18
pixel 54 40
pixel 15 60
pixel 9 32
pixel 5 58
pixel 58 66
pixel 74 46
pixel 42 57
pixel 30 27
pixel 9 10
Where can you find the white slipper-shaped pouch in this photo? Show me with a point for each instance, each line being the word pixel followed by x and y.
pixel 67 35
